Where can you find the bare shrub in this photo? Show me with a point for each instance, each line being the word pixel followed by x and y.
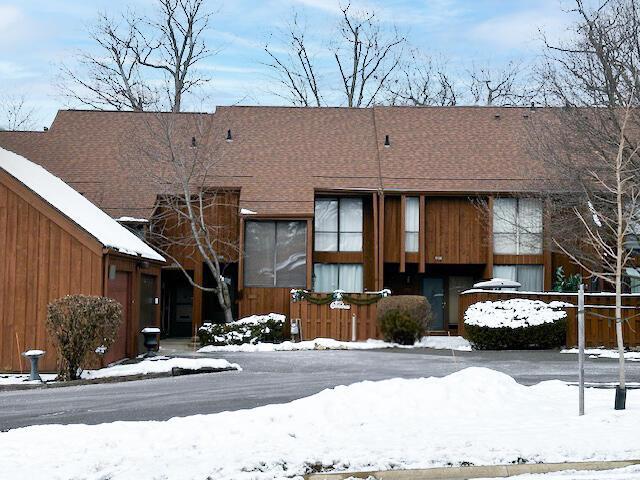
pixel 79 324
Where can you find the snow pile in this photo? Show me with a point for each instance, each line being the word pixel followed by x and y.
pixel 159 365
pixel 514 313
pixel 23 378
pixel 259 319
pixel 477 416
pixel 75 206
pixel 605 353
pixel 436 342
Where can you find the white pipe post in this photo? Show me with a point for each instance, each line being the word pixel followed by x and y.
pixel 353 327
pixel 581 349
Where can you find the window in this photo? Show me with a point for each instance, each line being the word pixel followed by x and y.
pixel 338 225
pixel 530 277
pixel 517 226
pixel 334 276
pixel 411 224
pixel 275 254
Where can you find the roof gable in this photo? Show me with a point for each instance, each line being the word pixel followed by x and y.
pixel 74 206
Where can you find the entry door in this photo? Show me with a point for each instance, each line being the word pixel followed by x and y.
pixel 147 316
pixel 433 289
pixel 457 285
pixel 120 290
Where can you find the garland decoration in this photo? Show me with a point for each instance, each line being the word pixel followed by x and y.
pixel 299 295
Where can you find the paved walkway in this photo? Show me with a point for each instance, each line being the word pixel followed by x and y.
pixel 276 377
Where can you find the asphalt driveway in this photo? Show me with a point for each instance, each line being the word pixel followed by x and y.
pixel 275 377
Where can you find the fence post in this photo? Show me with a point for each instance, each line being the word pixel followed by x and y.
pixel 353 327
pixel 581 342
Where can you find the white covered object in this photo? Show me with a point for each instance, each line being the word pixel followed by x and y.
pixel 497 283
pixel 74 206
pixel 514 313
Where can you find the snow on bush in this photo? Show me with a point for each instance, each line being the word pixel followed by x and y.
pixel 514 313
pixel 476 416
pixel 249 330
pixel 516 324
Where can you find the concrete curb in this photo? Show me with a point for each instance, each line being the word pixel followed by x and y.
pixel 464 473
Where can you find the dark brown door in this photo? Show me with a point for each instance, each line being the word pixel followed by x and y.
pixel 120 290
pixel 147 306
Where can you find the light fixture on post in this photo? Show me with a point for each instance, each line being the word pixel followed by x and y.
pixel 229 137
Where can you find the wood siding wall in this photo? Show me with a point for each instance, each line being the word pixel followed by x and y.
pixel 43 257
pixel 455 232
pixel 598 331
pixel 258 301
pixel 320 321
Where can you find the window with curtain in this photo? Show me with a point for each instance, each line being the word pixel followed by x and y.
pixel 275 254
pixel 411 224
pixel 338 276
pixel 338 225
pixel 517 226
pixel 530 277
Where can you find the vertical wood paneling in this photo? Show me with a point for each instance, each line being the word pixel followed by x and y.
pixel 40 260
pixel 320 321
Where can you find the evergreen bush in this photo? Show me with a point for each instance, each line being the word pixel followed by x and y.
pixel 255 329
pixel 403 319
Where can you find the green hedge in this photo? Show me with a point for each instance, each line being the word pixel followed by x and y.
pixel 547 335
pixel 403 319
pixel 257 329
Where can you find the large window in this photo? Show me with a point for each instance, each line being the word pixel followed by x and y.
pixel 338 225
pixel 530 277
pixel 275 254
pixel 411 224
pixel 329 277
pixel 517 226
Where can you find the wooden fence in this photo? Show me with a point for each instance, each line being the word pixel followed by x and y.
pixel 599 331
pixel 321 321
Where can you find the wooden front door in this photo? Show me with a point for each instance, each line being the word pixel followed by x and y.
pixel 120 290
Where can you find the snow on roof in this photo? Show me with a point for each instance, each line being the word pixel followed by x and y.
pixel 75 206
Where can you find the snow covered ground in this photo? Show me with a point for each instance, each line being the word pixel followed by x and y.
pixel 604 353
pixel 476 415
pixel 147 366
pixel 23 378
pixel 438 342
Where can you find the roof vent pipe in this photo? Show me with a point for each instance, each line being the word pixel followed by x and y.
pixel 387 142
pixel 229 137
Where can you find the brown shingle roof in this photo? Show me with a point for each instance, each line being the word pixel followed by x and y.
pixel 280 155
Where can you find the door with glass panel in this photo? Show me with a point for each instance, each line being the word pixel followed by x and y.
pixel 433 289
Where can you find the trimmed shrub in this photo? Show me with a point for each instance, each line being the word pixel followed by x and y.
pixel 517 324
pixel 254 329
pixel 403 319
pixel 79 324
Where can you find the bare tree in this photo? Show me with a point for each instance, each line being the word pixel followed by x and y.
pixel 590 144
pixel 142 61
pixel 365 57
pixel 15 114
pixel 511 85
pixel 422 81
pixel 295 70
pixel 180 156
